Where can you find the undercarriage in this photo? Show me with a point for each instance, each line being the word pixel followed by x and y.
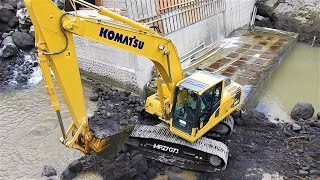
pixel 206 154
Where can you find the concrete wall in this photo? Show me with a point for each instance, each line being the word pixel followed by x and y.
pixel 133 72
pixel 115 3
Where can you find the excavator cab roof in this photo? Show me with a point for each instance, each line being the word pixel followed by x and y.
pixel 200 81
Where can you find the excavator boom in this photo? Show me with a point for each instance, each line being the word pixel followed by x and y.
pixel 54 31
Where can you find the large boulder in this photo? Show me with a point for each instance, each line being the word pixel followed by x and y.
pixel 7 6
pixel 139 162
pixel 13 3
pixel 302 111
pixel 23 40
pixel 4 27
pixel 297 16
pixel 8 48
pixel 6 15
pixel 13 22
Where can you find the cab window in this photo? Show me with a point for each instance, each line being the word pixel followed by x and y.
pixel 205 106
pixel 217 93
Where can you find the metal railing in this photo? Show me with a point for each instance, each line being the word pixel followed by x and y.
pixel 170 16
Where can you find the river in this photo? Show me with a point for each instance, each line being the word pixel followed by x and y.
pixel 30 133
pixel 296 79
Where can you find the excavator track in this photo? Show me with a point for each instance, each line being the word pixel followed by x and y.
pixel 160 144
pixel 223 129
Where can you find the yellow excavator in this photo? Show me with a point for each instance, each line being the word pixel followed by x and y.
pixel 193 108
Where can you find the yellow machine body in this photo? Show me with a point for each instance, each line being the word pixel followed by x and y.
pixel 56 51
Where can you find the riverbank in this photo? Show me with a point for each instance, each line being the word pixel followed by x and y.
pixel 302 17
pixel 17 54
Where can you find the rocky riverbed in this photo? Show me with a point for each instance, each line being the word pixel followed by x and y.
pixel 301 16
pixel 17 54
pixel 257 146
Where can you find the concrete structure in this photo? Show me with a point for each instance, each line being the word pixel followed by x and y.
pixel 192 25
pixel 248 58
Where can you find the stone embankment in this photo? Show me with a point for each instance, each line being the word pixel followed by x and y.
pixel 257 146
pixel 291 15
pixel 16 41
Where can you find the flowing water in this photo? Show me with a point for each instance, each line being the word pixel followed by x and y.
pixel 30 133
pixel 296 79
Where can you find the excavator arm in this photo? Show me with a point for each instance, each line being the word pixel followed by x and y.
pixel 54 31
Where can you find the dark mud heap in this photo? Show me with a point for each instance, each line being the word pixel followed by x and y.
pixel 257 146
pixel 116 110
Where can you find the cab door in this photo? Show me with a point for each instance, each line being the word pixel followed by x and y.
pixel 205 107
pixel 216 102
pixel 209 104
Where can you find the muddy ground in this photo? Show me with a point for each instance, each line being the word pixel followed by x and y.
pixel 257 146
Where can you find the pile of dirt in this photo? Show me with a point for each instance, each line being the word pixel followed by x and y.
pixel 258 146
pixel 127 165
pixel 116 110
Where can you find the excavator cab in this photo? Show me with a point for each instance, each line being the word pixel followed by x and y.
pixel 198 102
pixel 192 110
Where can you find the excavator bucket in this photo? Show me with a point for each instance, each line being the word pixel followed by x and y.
pixel 115 135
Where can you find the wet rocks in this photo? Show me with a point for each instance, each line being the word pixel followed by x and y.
pixel 23 40
pixel 151 173
pixel 49 171
pixel 139 162
pixel 84 163
pixel 20 4
pixel 314 172
pixel 67 175
pixel 21 78
pixel 94 97
pixel 13 3
pixel 296 127
pixel 6 13
pixel 8 48
pixel 16 43
pixel 236 114
pixel 116 109
pixel 253 114
pixel 76 166
pixel 129 164
pixel 303 173
pixel 302 110
pixel 13 22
